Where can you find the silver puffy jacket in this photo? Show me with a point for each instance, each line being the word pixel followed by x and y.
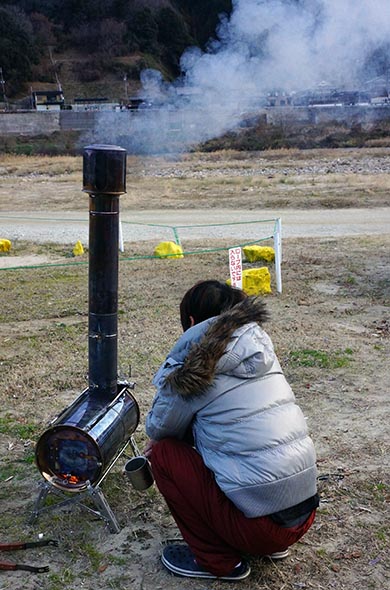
pixel 223 380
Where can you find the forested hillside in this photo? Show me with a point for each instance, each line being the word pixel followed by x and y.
pixel 94 46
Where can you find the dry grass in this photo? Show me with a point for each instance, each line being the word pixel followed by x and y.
pixel 335 303
pixel 272 179
pixel 330 327
pixel 25 166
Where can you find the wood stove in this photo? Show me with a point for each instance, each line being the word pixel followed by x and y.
pixel 85 440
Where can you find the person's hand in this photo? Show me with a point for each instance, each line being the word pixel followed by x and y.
pixel 148 448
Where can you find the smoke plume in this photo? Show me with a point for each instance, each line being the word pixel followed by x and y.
pixel 265 45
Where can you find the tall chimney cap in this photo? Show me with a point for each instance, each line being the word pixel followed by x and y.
pixel 104 147
pixel 104 169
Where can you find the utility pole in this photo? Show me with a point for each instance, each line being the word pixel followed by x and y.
pixel 54 65
pixel 126 92
pixel 2 83
pixel 59 85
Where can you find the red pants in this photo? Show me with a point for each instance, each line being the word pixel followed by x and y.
pixel 217 532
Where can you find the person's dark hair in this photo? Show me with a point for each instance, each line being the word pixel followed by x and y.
pixel 207 299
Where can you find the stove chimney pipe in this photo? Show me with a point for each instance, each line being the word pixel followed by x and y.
pixel 104 178
pixel 83 442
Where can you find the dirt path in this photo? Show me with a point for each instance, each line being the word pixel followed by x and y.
pixel 70 226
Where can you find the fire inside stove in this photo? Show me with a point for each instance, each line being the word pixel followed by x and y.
pixel 72 457
pixel 83 441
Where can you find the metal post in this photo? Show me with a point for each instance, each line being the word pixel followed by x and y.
pixel 278 253
pixel 104 178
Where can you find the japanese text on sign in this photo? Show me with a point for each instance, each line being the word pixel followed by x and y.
pixel 235 267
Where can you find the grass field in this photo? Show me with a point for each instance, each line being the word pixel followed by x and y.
pixel 330 328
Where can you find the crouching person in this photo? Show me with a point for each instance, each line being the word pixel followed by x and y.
pixel 228 444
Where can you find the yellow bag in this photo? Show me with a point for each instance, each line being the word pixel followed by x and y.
pixel 5 245
pixel 255 281
pixel 254 253
pixel 78 249
pixel 168 250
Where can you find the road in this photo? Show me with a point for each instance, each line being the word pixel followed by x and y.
pixel 70 226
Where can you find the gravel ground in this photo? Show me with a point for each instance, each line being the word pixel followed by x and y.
pixel 68 227
pixel 256 165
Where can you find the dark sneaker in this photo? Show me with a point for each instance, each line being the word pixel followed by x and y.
pixel 279 554
pixel 180 560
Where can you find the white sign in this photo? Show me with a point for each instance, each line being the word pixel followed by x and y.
pixel 235 267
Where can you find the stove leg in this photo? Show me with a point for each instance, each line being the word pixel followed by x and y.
pixel 43 493
pixel 104 509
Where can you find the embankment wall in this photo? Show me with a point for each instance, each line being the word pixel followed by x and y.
pixel 33 123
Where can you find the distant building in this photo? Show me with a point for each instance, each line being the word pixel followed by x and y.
pixel 48 100
pixel 278 99
pixel 378 88
pixel 94 104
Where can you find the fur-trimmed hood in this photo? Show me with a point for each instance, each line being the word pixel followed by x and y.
pixel 233 344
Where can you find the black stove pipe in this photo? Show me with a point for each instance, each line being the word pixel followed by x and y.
pixel 104 178
pixel 84 441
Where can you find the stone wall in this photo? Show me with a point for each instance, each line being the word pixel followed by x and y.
pixel 349 115
pixel 29 123
pixel 78 121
